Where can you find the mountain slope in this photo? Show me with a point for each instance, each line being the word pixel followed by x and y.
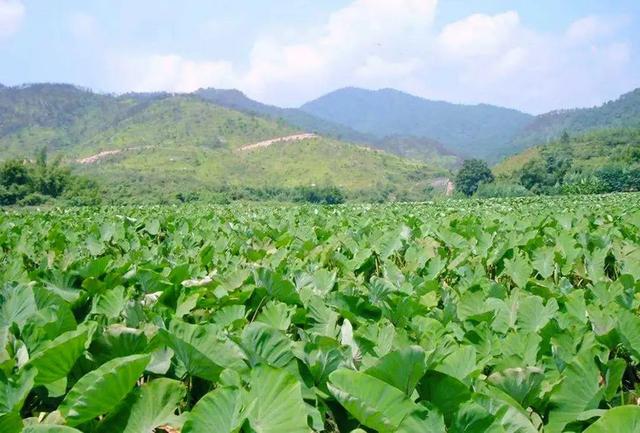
pixel 623 112
pixel 236 100
pixel 420 148
pixel 585 153
pixel 479 131
pixel 159 145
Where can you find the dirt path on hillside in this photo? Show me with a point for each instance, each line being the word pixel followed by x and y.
pixel 267 143
pixel 107 153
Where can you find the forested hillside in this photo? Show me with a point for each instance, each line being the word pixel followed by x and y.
pixel 623 112
pixel 600 161
pixel 162 146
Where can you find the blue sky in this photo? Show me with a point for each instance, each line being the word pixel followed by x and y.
pixel 531 55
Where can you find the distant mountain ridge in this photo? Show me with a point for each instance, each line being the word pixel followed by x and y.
pixel 483 131
pixel 437 132
pixel 236 100
pixel 405 144
pixel 619 113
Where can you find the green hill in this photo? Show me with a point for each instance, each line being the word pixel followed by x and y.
pixel 587 151
pixel 606 160
pixel 483 131
pixel 623 112
pixel 145 146
pixel 421 148
pixel 236 100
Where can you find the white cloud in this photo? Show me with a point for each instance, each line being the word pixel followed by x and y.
pixel 479 35
pixel 11 15
pixel 366 39
pixel 393 43
pixel 168 72
pixel 382 36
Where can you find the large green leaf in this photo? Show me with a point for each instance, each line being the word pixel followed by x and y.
pixel 578 392
pixel 99 391
pixel 155 405
pixel 533 315
pixel 275 402
pixel 117 341
pixel 402 368
pixel 17 305
pixel 202 349
pixel 519 270
pixel 460 363
pixel 471 418
pixel 276 314
pixel 55 359
pixel 629 329
pixel 422 421
pixel 371 401
pixel 623 419
pixel 15 389
pixel 266 344
pixel 13 393
pixel 222 408
pixel 276 286
pixel 520 383
pixel 509 416
pixel 444 392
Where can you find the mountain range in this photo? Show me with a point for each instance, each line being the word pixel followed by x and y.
pixel 362 139
pixel 162 144
pixel 482 131
pixel 429 129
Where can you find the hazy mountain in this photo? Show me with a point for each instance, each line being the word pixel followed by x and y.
pixel 622 112
pixel 483 131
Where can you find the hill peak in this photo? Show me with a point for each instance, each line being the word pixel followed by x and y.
pixel 470 130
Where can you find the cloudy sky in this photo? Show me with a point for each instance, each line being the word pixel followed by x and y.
pixel 531 55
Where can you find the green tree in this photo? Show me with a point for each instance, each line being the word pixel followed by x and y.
pixel 471 175
pixel 14 172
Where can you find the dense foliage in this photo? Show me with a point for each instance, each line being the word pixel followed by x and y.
pixel 505 316
pixel 473 173
pixel 623 112
pixel 34 183
pixel 597 162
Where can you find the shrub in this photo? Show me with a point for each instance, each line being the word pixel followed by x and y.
pixel 33 199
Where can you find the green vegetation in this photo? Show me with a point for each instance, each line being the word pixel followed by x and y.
pixel 34 183
pixel 508 316
pixel 596 162
pixel 473 173
pixel 624 112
